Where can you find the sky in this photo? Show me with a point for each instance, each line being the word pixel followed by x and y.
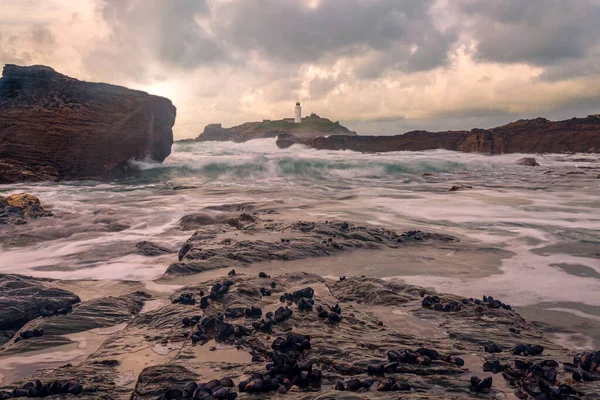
pixel 378 66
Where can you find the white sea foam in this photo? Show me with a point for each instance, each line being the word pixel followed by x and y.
pixel 541 218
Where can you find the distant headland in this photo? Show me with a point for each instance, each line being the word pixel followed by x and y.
pixel 539 135
pixel 307 128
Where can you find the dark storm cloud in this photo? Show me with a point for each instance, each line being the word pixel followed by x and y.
pixel 279 31
pixel 294 32
pixel 539 32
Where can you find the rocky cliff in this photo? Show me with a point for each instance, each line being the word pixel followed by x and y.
pixel 311 127
pixel 524 136
pixel 53 127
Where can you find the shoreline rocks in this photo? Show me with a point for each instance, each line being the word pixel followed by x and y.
pixel 576 135
pixel 53 127
pixel 17 208
pixel 370 351
pixel 235 334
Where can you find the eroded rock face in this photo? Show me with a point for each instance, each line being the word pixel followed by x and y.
pixel 539 135
pixel 17 208
pixel 53 127
pixel 23 299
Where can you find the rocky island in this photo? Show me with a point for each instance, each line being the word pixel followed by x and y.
pixel 576 135
pixel 53 127
pixel 311 127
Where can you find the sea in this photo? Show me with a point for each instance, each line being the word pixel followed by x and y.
pixel 529 236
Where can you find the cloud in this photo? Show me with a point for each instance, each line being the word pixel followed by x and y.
pixel 320 86
pixel 539 32
pixel 145 33
pixel 294 32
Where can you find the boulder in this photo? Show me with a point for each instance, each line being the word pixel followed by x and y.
pixel 16 208
pixel 528 161
pixel 53 127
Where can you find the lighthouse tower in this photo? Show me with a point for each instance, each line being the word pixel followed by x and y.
pixel 298 115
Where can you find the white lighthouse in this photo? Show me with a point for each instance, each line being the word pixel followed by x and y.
pixel 298 115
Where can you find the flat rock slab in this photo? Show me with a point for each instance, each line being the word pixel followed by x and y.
pixel 23 299
pixel 204 251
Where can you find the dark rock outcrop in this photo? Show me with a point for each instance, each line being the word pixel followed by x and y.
pixel 528 161
pixel 53 127
pixel 538 135
pixel 311 127
pixel 23 299
pixel 91 314
pixel 17 208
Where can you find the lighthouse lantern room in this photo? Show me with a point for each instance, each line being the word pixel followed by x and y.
pixel 298 115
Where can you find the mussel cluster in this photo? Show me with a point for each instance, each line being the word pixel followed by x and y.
pixel 334 314
pixel 585 367
pixel 39 389
pixel 306 293
pixel 421 356
pixel 213 327
pixel 303 298
pixel 492 348
pixel 272 318
pixel 216 389
pixel 37 332
pixel 528 350
pixel 387 384
pixel 488 301
pixel 216 292
pixel 537 380
pixel 187 299
pixel 287 370
pixel 435 303
pixel 481 385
